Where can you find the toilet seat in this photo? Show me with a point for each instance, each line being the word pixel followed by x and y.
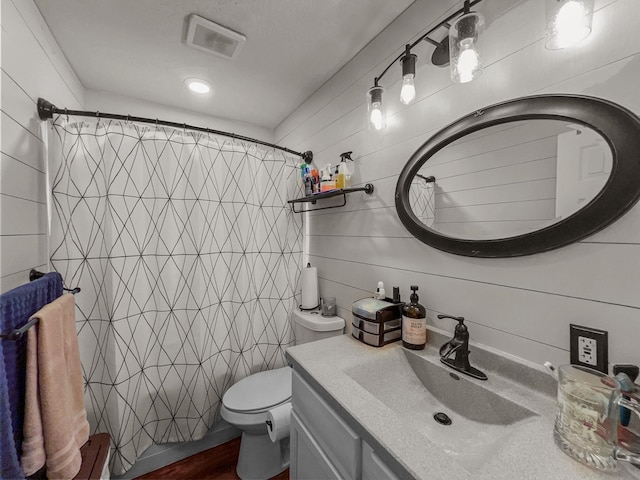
pixel 259 392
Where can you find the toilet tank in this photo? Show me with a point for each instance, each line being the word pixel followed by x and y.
pixel 311 326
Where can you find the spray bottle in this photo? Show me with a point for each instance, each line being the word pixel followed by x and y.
pixel 344 175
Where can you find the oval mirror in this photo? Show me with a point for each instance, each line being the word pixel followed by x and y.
pixel 523 176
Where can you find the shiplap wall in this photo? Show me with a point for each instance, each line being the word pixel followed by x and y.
pixel 522 306
pixel 32 67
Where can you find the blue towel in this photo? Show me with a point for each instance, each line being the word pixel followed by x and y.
pixel 16 307
pixel 9 462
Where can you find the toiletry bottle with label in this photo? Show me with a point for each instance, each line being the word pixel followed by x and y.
pixel 414 323
pixel 344 176
pixel 315 180
pixel 308 186
pixel 303 171
pixel 327 182
pixel 380 293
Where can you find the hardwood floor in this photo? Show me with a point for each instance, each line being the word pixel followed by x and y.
pixel 218 463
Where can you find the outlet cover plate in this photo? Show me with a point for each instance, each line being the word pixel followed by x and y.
pixel 581 348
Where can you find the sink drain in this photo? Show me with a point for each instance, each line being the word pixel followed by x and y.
pixel 442 418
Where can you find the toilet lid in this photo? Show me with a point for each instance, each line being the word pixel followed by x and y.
pixel 259 391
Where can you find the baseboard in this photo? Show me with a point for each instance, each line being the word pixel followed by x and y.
pixel 158 456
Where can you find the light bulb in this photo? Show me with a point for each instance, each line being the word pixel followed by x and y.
pixel 408 91
pixel 570 24
pixel 376 116
pixel 465 37
pixel 468 62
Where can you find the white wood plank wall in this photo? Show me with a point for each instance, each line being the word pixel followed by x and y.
pixel 32 67
pixel 522 306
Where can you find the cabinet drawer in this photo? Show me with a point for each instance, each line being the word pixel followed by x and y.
pixel 372 467
pixel 341 444
pixel 308 461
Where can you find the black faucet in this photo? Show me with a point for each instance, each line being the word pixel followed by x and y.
pixel 459 347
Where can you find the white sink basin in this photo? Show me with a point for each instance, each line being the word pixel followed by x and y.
pixel 417 386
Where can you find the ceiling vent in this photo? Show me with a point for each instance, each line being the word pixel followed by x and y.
pixel 212 38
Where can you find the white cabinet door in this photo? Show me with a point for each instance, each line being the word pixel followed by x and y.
pixel 339 442
pixel 308 461
pixel 372 467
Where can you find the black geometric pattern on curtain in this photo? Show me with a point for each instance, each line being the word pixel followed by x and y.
pixel 189 261
pixel 422 200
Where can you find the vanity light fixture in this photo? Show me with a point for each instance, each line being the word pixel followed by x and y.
pixel 466 64
pixel 197 85
pixel 568 22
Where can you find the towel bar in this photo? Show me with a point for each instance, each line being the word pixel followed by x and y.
pixel 19 332
pixel 35 274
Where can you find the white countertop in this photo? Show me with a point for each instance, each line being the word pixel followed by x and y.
pixel 528 452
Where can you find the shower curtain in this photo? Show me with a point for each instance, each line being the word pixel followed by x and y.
pixel 188 257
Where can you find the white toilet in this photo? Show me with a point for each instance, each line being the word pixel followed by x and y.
pixel 246 403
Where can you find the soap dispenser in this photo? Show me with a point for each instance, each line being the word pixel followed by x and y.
pixel 414 323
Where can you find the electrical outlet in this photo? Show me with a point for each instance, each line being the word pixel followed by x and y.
pixel 587 351
pixel 589 347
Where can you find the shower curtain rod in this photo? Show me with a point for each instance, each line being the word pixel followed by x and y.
pixel 46 110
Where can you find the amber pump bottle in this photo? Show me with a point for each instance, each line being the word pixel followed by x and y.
pixel 414 323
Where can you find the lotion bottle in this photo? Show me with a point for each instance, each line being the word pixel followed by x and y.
pixel 414 323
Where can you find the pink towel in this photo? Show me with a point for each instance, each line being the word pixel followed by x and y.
pixel 55 423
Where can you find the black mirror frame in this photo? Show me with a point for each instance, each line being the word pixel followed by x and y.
pixel 617 125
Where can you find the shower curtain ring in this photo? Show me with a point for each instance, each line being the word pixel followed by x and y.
pixel 66 112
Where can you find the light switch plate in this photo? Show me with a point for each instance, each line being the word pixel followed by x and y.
pixel 589 347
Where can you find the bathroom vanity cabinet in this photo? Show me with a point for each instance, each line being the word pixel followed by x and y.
pixel 362 413
pixel 324 446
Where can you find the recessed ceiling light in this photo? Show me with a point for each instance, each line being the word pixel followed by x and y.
pixel 198 85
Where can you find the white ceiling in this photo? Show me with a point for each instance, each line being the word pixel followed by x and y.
pixel 136 48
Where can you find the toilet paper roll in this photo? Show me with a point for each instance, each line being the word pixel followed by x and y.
pixel 278 422
pixel 309 282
